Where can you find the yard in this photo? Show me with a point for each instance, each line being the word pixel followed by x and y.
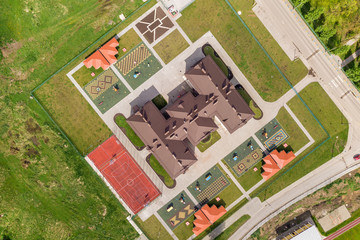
pixel 297 137
pixel 171 46
pixel 120 120
pixel 238 43
pixel 333 121
pixel 156 166
pixel 152 228
pixel 83 75
pixel 250 178
pixel 208 141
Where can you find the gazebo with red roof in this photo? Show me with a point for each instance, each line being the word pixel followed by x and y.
pixel 103 57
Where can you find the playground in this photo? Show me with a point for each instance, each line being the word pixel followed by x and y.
pixel 124 175
pixel 207 186
pixel 272 134
pixel 106 90
pixel 244 157
pixel 138 65
pixel 177 210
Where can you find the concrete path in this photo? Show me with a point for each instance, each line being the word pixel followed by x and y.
pixel 351 58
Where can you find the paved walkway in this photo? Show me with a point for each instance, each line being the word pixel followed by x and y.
pixel 343 229
pixel 351 58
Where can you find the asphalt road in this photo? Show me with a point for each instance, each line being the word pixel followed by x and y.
pixel 340 90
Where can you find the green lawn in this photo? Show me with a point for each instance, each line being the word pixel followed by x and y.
pixel 83 75
pixel 233 228
pixel 208 50
pixel 294 71
pixel 156 166
pixel 333 121
pixel 297 137
pixel 152 228
pixel 171 46
pixel 64 102
pixel 128 40
pixel 353 233
pixel 217 17
pixel 121 122
pixel 183 232
pixel 159 101
pixel 214 137
pixel 250 178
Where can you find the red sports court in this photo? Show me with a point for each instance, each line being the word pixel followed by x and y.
pixel 124 174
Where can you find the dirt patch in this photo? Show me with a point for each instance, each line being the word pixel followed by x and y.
pixel 10 48
pixel 34 140
pixel 31 152
pixel 344 191
pixel 25 163
pixel 32 127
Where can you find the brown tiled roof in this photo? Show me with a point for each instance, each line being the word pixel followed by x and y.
pixel 191 117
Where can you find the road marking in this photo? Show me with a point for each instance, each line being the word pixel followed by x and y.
pixel 334 83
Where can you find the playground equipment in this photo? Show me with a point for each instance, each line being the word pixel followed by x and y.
pixel 136 74
pixel 208 177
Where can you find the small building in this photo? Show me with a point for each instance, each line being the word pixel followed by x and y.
pixel 104 56
pixel 276 161
pixel 206 216
pixel 191 117
pixel 301 227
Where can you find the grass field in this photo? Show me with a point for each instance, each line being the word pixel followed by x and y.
pixel 152 228
pixel 214 137
pixel 155 165
pixel 353 233
pixel 293 70
pixel 232 228
pixel 183 232
pixel 238 43
pixel 171 46
pixel 121 122
pixel 79 121
pixel 47 190
pixel 333 121
pixel 297 137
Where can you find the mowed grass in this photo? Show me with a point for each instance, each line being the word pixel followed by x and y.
pixel 121 122
pixel 335 124
pixel 171 46
pixel 66 105
pixel 233 228
pixel 156 166
pixel 182 231
pixel 206 143
pixel 293 70
pixel 217 17
pixel 297 137
pixel 152 228
pixel 353 233
pixel 83 75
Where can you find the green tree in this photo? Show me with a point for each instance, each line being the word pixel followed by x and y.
pixel 353 74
